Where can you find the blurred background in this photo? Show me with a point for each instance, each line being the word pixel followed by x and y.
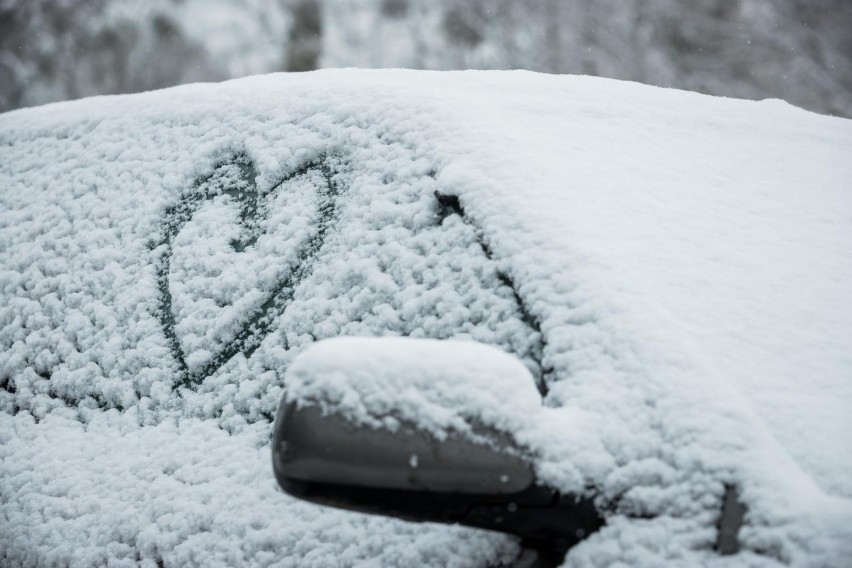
pixel 797 50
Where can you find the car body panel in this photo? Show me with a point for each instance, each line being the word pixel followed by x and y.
pixel 673 267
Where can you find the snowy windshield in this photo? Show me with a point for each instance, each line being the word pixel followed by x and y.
pixel 621 229
pixel 682 299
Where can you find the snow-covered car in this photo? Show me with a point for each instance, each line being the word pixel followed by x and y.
pixel 673 271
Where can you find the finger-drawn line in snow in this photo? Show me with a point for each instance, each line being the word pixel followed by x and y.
pixel 450 205
pixel 257 323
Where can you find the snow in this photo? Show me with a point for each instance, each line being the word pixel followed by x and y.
pixel 685 259
pixel 441 386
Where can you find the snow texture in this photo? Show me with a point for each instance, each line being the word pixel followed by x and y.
pixel 674 268
pixel 441 386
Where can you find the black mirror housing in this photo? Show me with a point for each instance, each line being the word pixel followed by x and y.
pixel 485 483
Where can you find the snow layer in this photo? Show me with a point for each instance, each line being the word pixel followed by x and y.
pixel 441 386
pixel 675 267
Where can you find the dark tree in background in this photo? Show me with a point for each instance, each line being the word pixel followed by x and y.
pixel 305 39
pixel 63 49
pixel 798 50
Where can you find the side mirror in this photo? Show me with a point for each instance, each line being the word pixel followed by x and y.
pixel 480 478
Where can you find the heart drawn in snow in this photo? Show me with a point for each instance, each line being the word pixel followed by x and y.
pixel 236 178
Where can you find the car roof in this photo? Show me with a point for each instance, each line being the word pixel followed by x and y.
pixel 674 270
